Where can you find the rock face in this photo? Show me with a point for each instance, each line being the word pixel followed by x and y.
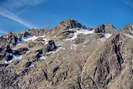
pixel 128 29
pixel 105 28
pixel 69 24
pixel 84 60
pixel 51 46
pixel 9 39
pixel 62 30
pixel 107 65
pixel 8 78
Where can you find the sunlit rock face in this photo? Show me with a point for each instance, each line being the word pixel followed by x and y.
pixel 69 24
pixel 128 29
pixel 105 28
pixel 70 56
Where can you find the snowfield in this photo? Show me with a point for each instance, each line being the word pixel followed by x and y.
pixel 31 38
pixel 86 32
pixel 106 36
pixel 80 31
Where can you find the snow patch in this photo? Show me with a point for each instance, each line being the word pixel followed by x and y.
pixel 80 31
pixel 8 62
pixel 75 35
pixel 32 65
pixel 106 36
pixel 15 57
pixel 46 40
pixel 26 39
pixel 85 31
pixel 31 38
pixel 42 57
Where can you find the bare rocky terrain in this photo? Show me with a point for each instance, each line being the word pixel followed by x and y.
pixel 69 56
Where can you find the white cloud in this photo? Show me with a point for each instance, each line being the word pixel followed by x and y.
pixel 9 15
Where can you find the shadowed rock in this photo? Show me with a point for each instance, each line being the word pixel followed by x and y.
pixel 8 57
pixel 20 51
pixel 51 46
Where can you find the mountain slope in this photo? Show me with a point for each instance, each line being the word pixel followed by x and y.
pixel 70 56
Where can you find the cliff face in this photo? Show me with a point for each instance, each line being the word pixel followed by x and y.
pixel 71 56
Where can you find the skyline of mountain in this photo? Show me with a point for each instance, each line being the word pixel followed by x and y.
pixel 17 16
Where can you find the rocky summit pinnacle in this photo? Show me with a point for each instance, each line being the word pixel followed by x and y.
pixel 70 56
pixel 105 28
pixel 69 24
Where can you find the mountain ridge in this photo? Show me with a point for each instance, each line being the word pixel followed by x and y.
pixel 70 56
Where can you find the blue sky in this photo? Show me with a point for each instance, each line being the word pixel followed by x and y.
pixel 18 15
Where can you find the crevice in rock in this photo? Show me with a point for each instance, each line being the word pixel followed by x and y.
pixel 55 69
pixel 87 82
pixel 45 75
pixel 117 49
pixel 79 82
pixel 101 72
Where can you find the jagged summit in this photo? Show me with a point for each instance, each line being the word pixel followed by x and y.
pixel 69 24
pixel 105 28
pixel 66 28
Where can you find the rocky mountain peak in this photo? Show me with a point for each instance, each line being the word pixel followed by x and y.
pixel 105 28
pixel 69 24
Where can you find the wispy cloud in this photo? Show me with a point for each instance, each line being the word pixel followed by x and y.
pixel 10 9
pixel 7 8
pixel 10 15
pixel 13 4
